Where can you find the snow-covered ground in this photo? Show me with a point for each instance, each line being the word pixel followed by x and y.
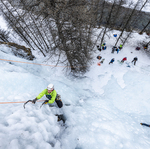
pixel 107 104
pixel 146 8
pixel 132 3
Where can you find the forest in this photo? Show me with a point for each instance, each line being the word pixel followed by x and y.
pixel 65 29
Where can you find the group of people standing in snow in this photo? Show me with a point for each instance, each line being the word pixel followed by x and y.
pixel 103 47
pixel 124 59
pixel 114 48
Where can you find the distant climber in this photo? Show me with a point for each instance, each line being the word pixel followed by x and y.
pixel 115 35
pixel 124 59
pixel 117 50
pixel 113 49
pixel 99 57
pixel 137 48
pixel 134 60
pixel 120 47
pixel 145 46
pixel 112 60
pixel 104 46
pixel 98 48
pixel 51 94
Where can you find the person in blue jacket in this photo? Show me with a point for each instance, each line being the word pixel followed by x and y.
pixel 112 60
pixel 104 46
pixel 117 50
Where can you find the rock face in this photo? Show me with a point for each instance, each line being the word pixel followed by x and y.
pixel 20 51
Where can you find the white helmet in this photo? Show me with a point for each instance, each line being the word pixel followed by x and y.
pixel 50 87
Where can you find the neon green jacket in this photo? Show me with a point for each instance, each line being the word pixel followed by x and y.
pixel 51 96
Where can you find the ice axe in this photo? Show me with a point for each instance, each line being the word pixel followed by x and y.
pixel 27 102
pixel 144 124
pixel 45 102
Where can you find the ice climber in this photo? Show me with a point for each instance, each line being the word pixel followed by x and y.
pixel 112 60
pixel 134 60
pixel 51 95
pixel 124 59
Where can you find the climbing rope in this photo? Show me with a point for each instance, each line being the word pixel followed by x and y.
pixel 18 102
pixel 41 64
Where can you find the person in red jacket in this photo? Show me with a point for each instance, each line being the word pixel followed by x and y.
pixel 124 59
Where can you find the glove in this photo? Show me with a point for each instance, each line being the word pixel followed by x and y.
pixel 34 100
pixel 46 101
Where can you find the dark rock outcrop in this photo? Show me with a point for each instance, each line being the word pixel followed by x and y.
pixel 20 51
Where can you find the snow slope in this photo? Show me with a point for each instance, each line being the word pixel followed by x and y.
pixel 107 104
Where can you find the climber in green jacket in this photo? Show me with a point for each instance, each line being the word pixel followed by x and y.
pixel 51 94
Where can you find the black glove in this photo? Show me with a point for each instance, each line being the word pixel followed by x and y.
pixel 46 101
pixel 34 100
